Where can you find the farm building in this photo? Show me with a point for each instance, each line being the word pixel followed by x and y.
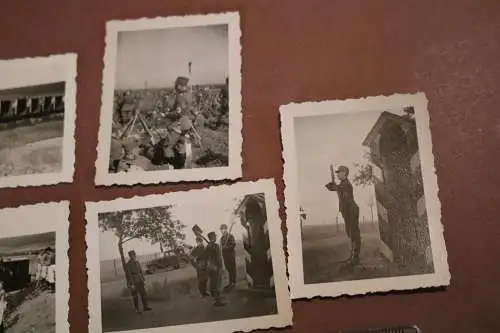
pixel 31 100
pixel 253 217
pixel 19 257
pixel 399 190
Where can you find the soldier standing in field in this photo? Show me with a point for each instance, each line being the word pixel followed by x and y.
pixel 214 261
pixel 228 245
pixel 136 282
pixel 348 208
pixel 199 261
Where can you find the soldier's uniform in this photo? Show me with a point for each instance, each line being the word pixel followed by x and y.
pixel 214 262
pixel 182 115
pixel 200 263
pixel 136 280
pixel 228 245
pixel 349 210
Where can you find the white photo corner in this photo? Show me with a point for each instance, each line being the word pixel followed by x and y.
pixel 34 268
pixel 37 120
pixel 155 262
pixel 361 196
pixel 171 100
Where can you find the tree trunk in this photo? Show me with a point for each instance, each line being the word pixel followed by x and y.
pixel 122 257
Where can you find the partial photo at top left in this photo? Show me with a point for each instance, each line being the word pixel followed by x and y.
pixel 37 120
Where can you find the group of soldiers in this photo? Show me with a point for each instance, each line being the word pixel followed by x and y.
pixel 209 260
pixel 171 149
pixel 46 269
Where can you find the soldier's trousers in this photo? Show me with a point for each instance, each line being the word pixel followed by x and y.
pixel 215 277
pixel 202 277
pixel 351 219
pixel 230 264
pixel 139 290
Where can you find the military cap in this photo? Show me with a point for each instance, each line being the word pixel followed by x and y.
pixel 181 80
pixel 223 226
pixel 342 168
pixel 211 234
pixel 131 252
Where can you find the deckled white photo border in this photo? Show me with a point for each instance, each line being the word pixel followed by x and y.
pixel 234 168
pixel 440 277
pixel 284 316
pixel 41 218
pixel 16 73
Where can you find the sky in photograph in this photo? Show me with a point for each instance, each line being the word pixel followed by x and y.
pixel 159 56
pixel 208 214
pixel 331 139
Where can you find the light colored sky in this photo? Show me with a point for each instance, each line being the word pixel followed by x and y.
pixel 28 220
pixel 208 214
pixel 159 56
pixel 331 139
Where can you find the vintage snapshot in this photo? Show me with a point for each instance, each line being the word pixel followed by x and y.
pixel 363 213
pixel 208 260
pixel 34 281
pixel 37 120
pixel 171 100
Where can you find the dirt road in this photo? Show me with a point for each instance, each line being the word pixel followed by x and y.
pixel 177 302
pixel 31 149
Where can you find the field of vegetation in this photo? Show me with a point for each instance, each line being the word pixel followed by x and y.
pixel 212 123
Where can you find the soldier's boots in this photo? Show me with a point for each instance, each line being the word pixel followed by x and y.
pixel 219 302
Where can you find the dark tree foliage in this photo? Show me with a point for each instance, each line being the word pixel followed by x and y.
pixel 155 224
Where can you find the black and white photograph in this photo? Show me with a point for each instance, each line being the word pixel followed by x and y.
pixel 34 281
pixel 37 120
pixel 196 261
pixel 171 100
pixel 363 214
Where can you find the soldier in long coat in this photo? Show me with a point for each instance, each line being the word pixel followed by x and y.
pixel 348 208
pixel 214 260
pixel 228 245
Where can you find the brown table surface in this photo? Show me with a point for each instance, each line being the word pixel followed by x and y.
pixel 315 50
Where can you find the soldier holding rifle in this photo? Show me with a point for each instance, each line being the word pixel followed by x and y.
pixel 348 208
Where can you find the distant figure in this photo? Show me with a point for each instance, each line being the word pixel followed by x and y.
pixel 228 245
pixel 348 208
pixel 3 306
pixel 45 261
pixel 200 263
pixel 136 282
pixel 214 259
pixel 51 271
pixel 38 276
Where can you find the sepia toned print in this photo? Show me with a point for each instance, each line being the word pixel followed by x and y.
pixel 34 281
pixel 171 105
pixel 202 260
pixel 361 194
pixel 37 120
